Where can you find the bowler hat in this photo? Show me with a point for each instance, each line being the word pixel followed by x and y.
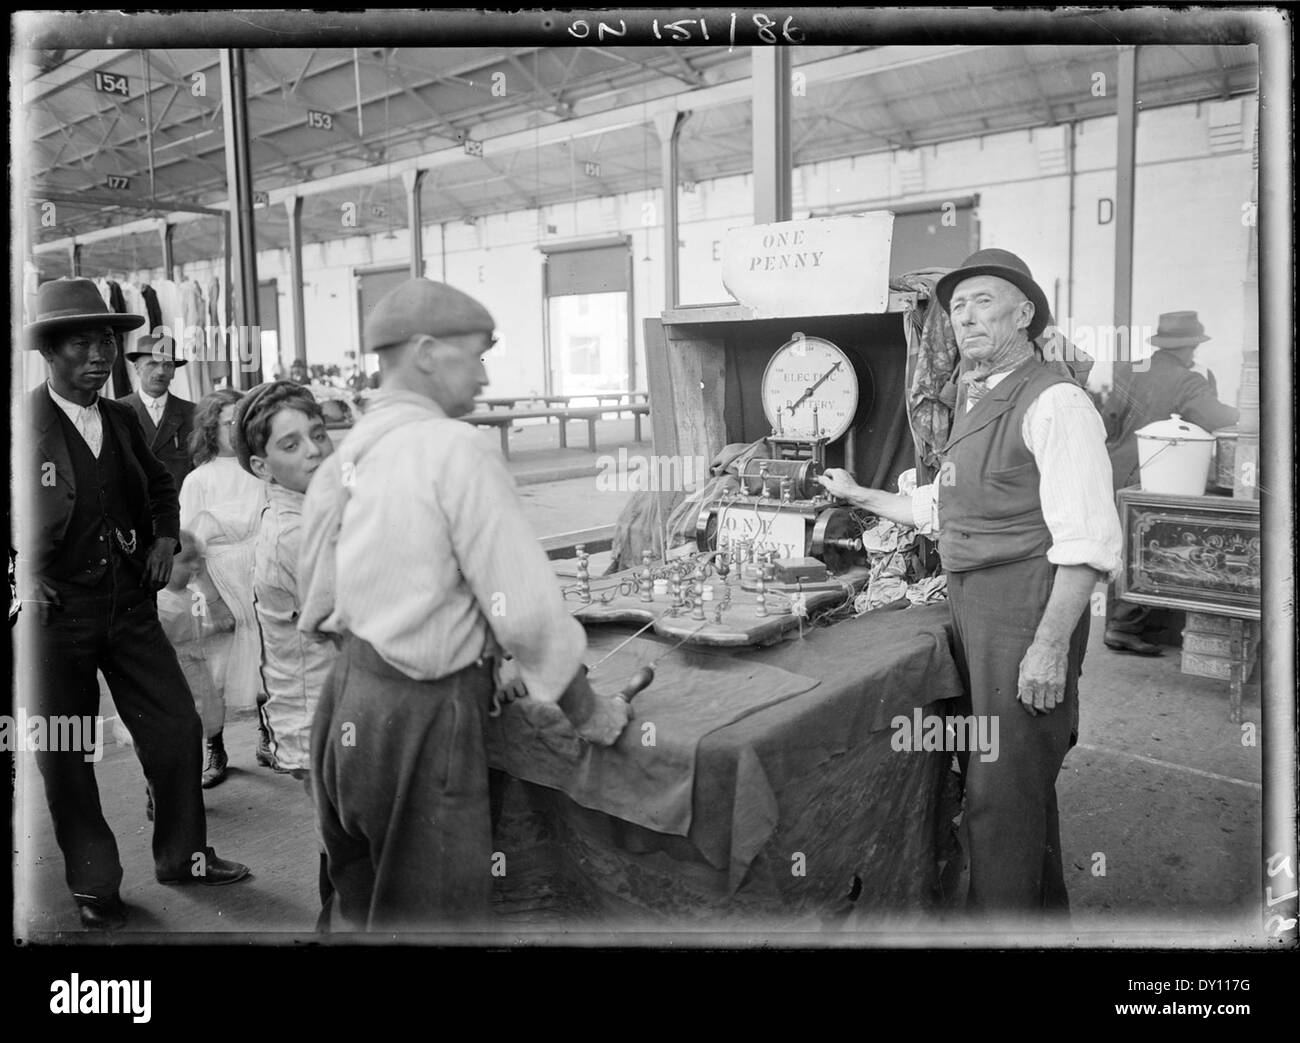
pixel 1179 329
pixel 163 349
pixel 67 305
pixel 422 306
pixel 1005 265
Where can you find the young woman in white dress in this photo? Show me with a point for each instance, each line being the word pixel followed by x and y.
pixel 221 505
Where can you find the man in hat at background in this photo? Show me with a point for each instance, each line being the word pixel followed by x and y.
pixel 168 420
pixel 98 520
pixel 416 551
pixel 1166 387
pixel 1026 525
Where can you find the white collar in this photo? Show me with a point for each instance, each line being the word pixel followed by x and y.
pixel 66 404
pixel 153 403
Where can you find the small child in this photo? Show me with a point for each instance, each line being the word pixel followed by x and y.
pixel 188 618
pixel 280 437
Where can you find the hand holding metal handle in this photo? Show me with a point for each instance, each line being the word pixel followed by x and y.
pixel 641 680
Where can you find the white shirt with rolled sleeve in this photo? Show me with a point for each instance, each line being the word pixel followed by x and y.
pixel 434 559
pixel 1065 434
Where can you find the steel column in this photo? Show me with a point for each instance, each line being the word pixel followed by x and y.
pixel 293 208
pixel 669 125
pixel 168 253
pixel 239 181
pixel 1278 868
pixel 1126 105
pixel 412 179
pixel 148 121
pixel 771 108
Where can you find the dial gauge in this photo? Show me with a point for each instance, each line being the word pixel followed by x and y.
pixel 809 379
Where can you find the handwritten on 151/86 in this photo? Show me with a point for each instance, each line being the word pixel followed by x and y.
pixel 685 30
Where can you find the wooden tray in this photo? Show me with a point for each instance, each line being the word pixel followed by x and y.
pixel 740 625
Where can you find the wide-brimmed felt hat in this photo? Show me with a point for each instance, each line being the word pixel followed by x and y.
pixel 424 306
pixel 1179 329
pixel 1004 265
pixel 67 305
pixel 161 348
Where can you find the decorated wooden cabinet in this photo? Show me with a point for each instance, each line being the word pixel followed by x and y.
pixel 1200 554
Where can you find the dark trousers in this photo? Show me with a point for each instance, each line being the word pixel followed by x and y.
pixel 1124 616
pixel 401 785
pixel 1011 814
pixel 123 638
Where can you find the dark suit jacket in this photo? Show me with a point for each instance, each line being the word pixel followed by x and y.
pixel 52 488
pixel 170 440
pixel 1165 388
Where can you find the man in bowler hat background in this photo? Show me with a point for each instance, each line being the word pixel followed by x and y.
pixel 167 419
pixel 1167 386
pixel 98 525
pixel 1026 523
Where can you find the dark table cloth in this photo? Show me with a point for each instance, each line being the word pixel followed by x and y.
pixel 800 804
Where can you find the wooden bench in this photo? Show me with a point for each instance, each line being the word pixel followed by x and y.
pixel 503 422
pixel 564 401
pixel 564 544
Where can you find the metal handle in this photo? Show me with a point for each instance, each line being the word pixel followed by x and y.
pixel 641 680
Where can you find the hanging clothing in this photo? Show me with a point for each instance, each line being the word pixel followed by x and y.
pixel 169 306
pixel 194 342
pixel 120 382
pixel 152 311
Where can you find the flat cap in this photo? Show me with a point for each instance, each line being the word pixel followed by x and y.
pixel 422 306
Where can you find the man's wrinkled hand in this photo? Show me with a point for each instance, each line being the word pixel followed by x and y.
pixel 605 720
pixel 599 719
pixel 510 682
pixel 1042 677
pixel 158 565
pixel 839 483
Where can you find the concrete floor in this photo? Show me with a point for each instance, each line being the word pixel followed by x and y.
pixel 1160 802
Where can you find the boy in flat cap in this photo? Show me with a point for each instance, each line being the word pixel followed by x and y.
pixel 415 548
pixel 99 522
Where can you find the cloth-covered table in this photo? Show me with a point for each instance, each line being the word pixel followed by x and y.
pixel 799 801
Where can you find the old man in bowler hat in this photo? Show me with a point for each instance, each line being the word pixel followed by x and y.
pixel 1027 526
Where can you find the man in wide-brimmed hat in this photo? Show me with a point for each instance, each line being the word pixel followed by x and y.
pixel 98 521
pixel 1026 525
pixel 167 419
pixel 428 572
pixel 1168 385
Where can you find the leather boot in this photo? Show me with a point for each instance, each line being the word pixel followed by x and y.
pixel 1119 641
pixel 264 755
pixel 215 770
